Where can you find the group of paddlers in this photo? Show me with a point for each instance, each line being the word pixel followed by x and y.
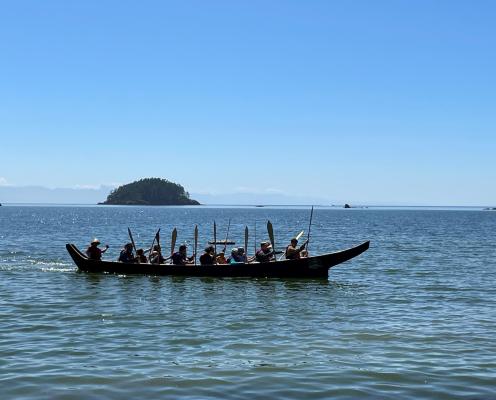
pixel 209 257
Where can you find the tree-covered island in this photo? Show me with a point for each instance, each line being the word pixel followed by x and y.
pixel 150 192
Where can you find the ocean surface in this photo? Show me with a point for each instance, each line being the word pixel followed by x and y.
pixel 413 317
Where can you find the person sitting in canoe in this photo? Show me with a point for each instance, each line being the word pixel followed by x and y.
pixel 208 258
pixel 180 257
pixel 156 255
pixel 238 256
pixel 242 257
pixel 293 252
pixel 94 252
pixel 221 258
pixel 126 254
pixel 265 253
pixel 140 257
pixel 233 258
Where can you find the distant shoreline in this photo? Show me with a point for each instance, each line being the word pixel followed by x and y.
pixel 265 206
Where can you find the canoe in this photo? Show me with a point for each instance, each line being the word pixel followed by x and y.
pixel 311 267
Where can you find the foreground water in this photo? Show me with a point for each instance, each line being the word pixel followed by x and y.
pixel 413 317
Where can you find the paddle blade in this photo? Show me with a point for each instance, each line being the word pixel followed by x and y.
pixel 246 240
pixel 131 237
pixel 299 235
pixel 215 242
pixel 270 231
pixel 196 240
pixel 173 240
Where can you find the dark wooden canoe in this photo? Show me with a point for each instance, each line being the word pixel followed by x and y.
pixel 311 267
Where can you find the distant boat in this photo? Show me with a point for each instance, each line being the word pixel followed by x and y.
pixel 259 206
pixel 309 267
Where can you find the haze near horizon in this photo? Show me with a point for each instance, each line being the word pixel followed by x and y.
pixel 365 102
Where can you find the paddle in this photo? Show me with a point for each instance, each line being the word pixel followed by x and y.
pixel 255 238
pixel 132 240
pixel 196 240
pixel 297 238
pixel 215 243
pixel 270 230
pixel 227 235
pixel 309 226
pixel 173 241
pixel 154 238
pixel 246 243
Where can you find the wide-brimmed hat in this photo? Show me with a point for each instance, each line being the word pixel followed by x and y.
pixel 265 243
pixel 95 241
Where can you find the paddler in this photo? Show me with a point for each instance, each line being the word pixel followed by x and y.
pixel 265 253
pixel 94 252
pixel 126 255
pixel 293 252
pixel 180 257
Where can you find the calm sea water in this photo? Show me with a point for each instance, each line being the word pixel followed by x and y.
pixel 413 317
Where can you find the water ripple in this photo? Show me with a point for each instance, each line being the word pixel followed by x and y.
pixel 411 318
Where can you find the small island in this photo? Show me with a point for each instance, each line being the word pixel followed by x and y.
pixel 150 192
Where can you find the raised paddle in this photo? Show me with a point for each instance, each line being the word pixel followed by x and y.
pixel 196 240
pixel 132 240
pixel 173 241
pixel 270 230
pixel 299 235
pixel 246 243
pixel 255 238
pixel 215 243
pixel 154 238
pixel 309 226
pixel 227 235
pixel 297 238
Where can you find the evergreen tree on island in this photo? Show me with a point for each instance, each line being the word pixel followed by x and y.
pixel 151 192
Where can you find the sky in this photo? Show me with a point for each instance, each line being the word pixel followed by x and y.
pixel 370 102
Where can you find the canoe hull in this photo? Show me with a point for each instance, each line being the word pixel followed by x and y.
pixel 311 267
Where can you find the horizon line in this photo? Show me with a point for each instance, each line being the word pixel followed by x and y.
pixel 358 206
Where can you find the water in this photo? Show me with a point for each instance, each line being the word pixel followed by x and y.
pixel 413 317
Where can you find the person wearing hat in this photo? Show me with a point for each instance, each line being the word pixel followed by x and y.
pixel 156 255
pixel 238 256
pixel 242 257
pixel 265 254
pixel 94 252
pixel 208 258
pixel 126 254
pixel 233 258
pixel 180 257
pixel 293 252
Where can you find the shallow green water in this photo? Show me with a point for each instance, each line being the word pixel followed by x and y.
pixel 413 317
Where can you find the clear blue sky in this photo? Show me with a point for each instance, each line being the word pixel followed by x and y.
pixel 371 101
